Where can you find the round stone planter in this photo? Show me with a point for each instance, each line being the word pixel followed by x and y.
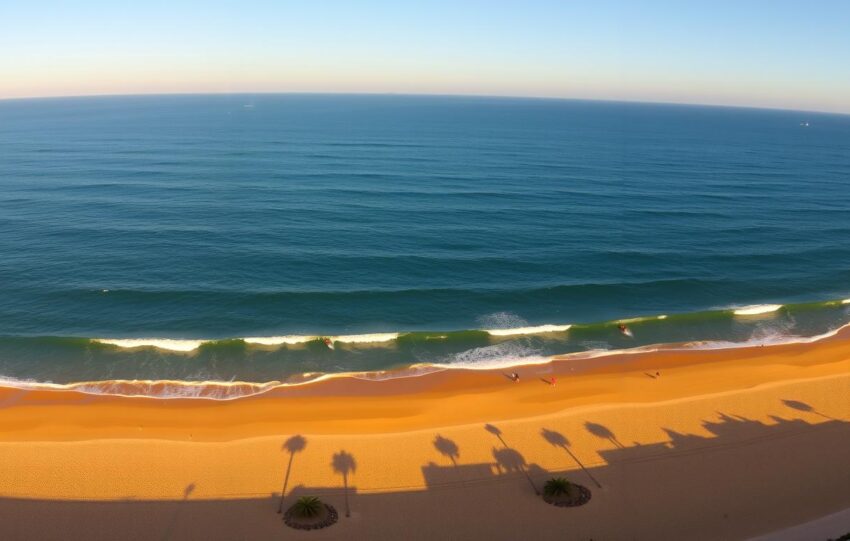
pixel 580 496
pixel 324 519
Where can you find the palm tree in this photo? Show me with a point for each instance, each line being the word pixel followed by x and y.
pixel 557 486
pixel 307 507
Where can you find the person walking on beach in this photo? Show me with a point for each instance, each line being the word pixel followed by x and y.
pixel 515 377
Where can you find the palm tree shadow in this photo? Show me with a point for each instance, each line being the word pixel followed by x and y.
pixel 603 432
pixel 508 459
pixel 449 449
pixel 555 438
pixel 496 432
pixel 559 440
pixel 343 463
pixel 190 488
pixel 804 407
pixel 293 445
pixel 169 530
pixel 511 461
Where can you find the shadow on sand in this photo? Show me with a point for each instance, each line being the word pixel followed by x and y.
pixel 449 449
pixel 169 530
pixel 343 463
pixel 603 432
pixel 507 459
pixel 802 406
pixel 293 445
pixel 559 440
pixel 499 490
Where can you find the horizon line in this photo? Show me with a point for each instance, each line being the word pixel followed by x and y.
pixel 423 94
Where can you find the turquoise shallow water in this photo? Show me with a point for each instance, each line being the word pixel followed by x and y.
pixel 223 217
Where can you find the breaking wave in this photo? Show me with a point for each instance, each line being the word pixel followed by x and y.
pixel 757 309
pixel 497 356
pixel 224 369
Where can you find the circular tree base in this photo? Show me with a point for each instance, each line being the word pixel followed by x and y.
pixel 579 495
pixel 327 517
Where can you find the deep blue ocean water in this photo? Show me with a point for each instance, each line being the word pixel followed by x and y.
pixel 220 217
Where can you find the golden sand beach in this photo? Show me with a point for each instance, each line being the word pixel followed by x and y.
pixel 674 444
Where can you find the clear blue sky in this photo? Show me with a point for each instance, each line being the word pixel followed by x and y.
pixel 788 54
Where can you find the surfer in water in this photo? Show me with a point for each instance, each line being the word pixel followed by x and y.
pixel 625 330
pixel 328 342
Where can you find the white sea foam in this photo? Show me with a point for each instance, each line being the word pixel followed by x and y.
pixel 757 309
pixel 167 389
pixel 191 345
pixel 540 329
pixel 17 383
pixel 503 355
pixel 509 324
pixel 761 339
pixel 278 340
pixel 771 331
pixel 845 301
pixel 161 343
pixel 662 316
pixel 374 338
pixel 502 320
pixel 638 319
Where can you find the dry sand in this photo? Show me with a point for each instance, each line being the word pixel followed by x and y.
pixel 724 444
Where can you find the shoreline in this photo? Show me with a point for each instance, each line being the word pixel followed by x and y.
pixel 617 378
pixel 230 368
pixel 216 390
pixel 713 440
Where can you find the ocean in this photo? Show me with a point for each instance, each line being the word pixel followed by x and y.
pixel 223 237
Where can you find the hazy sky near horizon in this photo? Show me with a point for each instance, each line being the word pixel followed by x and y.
pixel 780 53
